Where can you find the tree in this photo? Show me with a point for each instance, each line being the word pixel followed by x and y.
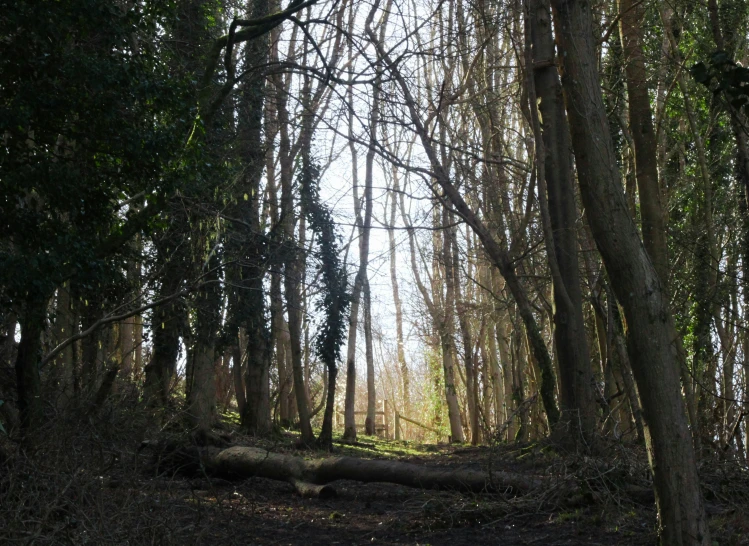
pixel 71 72
pixel 635 282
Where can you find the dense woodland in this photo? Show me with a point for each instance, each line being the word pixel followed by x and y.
pixel 518 222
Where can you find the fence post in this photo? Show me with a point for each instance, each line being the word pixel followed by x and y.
pixel 397 425
pixel 385 418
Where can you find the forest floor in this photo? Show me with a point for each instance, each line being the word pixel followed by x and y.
pixel 92 485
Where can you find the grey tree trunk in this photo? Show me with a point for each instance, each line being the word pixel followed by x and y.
pixel 28 382
pixel 555 172
pixel 652 210
pixel 370 422
pixel 201 375
pixel 471 372
pixel 166 327
pixel 634 280
pixel 405 377
pixel 447 333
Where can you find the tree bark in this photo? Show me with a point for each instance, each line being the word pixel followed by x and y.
pixel 248 462
pixel 28 382
pixel 405 377
pixel 555 172
pixel 471 372
pixel 652 209
pixel 370 422
pixel 201 376
pixel 166 326
pixel 446 327
pixel 634 280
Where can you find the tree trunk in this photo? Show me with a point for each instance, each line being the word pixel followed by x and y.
pixel 293 308
pixel 465 330
pixel 576 396
pixel 238 377
pixel 28 382
pixel 201 375
pixel 249 462
pixel 446 326
pixel 64 363
pixel 405 377
pixel 635 282
pixel 165 327
pixel 370 422
pixel 643 137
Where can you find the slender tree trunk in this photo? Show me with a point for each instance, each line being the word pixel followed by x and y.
pixel 405 377
pixel 294 310
pixel 555 172
pixel 28 383
pixel 643 137
pixel 635 282
pixel 238 376
pixel 64 326
pixel 447 332
pixel 370 422
pixel 465 331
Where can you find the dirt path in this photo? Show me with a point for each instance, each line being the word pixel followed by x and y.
pixel 260 511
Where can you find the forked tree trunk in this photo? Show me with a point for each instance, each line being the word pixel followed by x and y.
pixel 635 281
pixel 555 172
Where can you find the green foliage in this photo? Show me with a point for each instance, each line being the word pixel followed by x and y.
pixel 335 299
pixel 90 115
pixel 724 76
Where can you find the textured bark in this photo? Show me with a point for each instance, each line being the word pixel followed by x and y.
pixel 555 172
pixel 248 462
pixel 370 422
pixel 28 382
pixel 405 377
pixel 201 376
pixel 652 210
pixel 471 372
pixel 635 281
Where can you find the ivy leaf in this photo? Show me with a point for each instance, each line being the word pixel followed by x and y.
pixel 700 73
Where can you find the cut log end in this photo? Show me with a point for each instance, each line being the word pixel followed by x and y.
pixel 313 491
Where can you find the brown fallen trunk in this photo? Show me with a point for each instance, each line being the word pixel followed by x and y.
pixel 310 477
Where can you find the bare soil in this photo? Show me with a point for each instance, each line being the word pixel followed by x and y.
pixel 88 486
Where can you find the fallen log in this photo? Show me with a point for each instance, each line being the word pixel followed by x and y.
pixel 311 477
